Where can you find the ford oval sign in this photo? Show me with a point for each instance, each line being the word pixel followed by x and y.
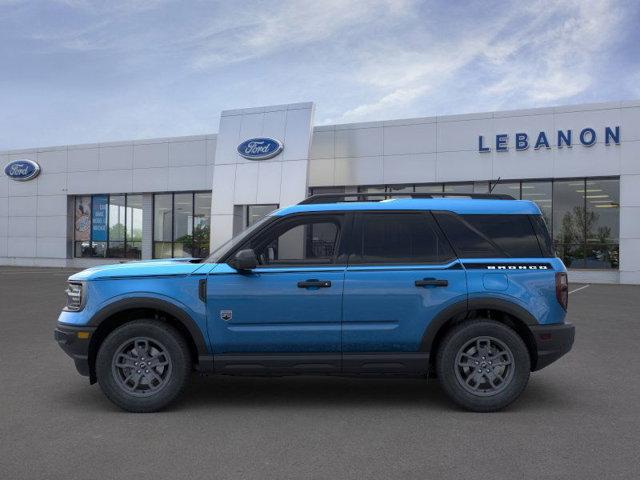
pixel 22 170
pixel 260 148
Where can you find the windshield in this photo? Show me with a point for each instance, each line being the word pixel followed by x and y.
pixel 232 243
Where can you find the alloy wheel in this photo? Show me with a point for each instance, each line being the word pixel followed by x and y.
pixel 484 366
pixel 141 366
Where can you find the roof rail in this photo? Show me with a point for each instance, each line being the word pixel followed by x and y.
pixel 377 197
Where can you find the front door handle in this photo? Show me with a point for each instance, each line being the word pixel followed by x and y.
pixel 313 283
pixel 432 282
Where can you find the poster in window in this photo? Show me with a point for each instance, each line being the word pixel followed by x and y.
pixel 83 219
pixel 99 218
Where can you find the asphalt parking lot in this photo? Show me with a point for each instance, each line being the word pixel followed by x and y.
pixel 579 418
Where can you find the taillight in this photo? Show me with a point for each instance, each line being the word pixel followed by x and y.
pixel 562 289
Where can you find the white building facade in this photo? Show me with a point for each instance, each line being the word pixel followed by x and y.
pixel 81 205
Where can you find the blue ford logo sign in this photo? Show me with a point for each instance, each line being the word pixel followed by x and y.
pixel 22 170
pixel 260 148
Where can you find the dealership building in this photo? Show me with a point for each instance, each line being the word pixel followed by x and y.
pixel 82 205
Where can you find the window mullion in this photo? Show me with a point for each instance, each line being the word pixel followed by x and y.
pixel 584 240
pixel 153 225
pixel 124 249
pixel 173 223
pixel 193 221
pixel 107 216
pixel 91 225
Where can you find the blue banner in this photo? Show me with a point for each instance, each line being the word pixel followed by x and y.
pixel 99 207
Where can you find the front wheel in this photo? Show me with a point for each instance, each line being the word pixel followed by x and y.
pixel 143 366
pixel 483 365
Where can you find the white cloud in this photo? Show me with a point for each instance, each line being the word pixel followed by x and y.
pixel 397 98
pixel 555 63
pixel 290 23
pixel 403 77
pixel 123 69
pixel 543 52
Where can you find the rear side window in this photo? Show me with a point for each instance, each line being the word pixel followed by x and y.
pixel 467 241
pixel 544 239
pixel 399 238
pixel 491 236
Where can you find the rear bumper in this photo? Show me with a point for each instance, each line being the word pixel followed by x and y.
pixel 77 347
pixel 552 342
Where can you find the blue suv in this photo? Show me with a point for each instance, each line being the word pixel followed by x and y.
pixel 465 289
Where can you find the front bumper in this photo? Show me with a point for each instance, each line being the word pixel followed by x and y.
pixel 75 343
pixel 552 342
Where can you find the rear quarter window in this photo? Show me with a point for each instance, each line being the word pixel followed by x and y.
pixel 492 236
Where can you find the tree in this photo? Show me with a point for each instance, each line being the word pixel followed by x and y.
pixel 116 232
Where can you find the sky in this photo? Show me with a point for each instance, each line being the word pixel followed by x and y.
pixel 80 71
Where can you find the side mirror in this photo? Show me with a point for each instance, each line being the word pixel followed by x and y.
pixel 244 260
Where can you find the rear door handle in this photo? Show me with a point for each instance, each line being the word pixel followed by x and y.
pixel 313 283
pixel 433 282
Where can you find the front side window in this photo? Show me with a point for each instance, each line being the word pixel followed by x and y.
pixel 399 238
pixel 302 241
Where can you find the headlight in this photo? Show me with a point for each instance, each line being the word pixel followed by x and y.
pixel 75 297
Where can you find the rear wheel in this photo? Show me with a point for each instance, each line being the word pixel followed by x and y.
pixel 143 366
pixel 483 365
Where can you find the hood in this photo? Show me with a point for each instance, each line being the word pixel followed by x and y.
pixel 148 268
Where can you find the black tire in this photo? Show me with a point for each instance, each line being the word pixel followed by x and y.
pixel 500 383
pixel 165 378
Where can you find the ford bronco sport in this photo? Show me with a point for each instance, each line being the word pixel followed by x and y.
pixel 466 289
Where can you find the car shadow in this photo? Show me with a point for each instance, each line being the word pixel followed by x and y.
pixel 222 391
pixel 228 392
pixel 311 392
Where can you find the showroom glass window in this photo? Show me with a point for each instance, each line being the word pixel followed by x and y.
pixel 108 226
pixel 256 212
pixel 582 215
pixel 540 192
pixel 458 187
pixel 134 226
pixel 506 188
pixel 181 224
pixel 586 222
pixel 466 187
